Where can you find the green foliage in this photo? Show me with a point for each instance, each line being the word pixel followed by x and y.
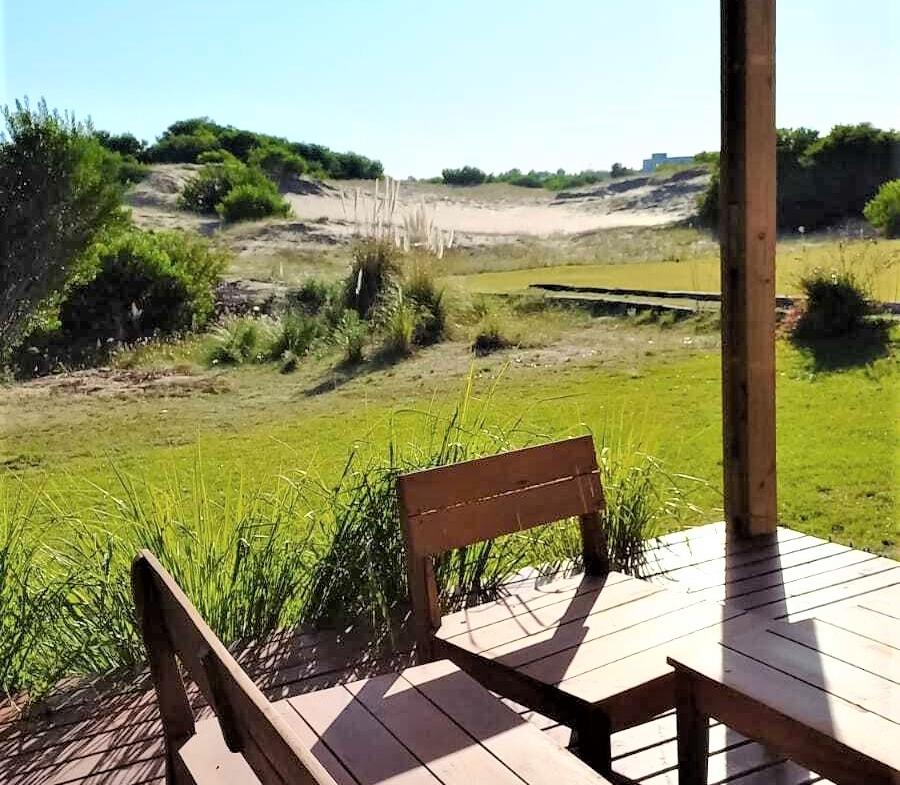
pixel 216 157
pixel 186 141
pixel 837 304
pixel 489 335
pixel 883 211
pixel 351 335
pixel 619 170
pixel 59 190
pixel 399 326
pixel 427 298
pixel 126 145
pixel 66 596
pixel 313 296
pixel 466 175
pixel 247 202
pixel 240 340
pixel 278 162
pixel 235 191
pixel 824 180
pixel 139 284
pixel 296 334
pixel 373 272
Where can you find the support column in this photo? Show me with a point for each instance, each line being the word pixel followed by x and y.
pixel 747 235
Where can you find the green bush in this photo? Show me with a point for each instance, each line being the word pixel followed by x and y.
pixel 216 157
pixel 351 335
pixel 489 336
pixel 399 327
pixel 837 304
pixel 206 189
pixel 467 175
pixel 296 334
pixel 59 191
pixel 250 202
pixel 883 212
pixel 140 284
pixel 373 272
pixel 431 311
pixel 189 141
pixel 240 340
pixel 278 162
pixel 313 296
pixel 824 180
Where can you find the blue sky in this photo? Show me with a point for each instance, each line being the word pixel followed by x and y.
pixel 426 84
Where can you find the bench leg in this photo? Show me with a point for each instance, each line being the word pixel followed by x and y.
pixel 693 734
pixel 591 738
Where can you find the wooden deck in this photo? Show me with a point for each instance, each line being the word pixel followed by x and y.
pixel 101 735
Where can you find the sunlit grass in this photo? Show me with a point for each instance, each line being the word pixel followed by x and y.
pixel 877 264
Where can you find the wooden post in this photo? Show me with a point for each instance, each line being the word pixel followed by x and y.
pixel 747 237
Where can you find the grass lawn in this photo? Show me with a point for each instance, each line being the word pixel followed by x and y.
pixel 876 264
pixel 839 437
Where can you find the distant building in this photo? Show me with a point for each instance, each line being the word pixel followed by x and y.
pixel 661 158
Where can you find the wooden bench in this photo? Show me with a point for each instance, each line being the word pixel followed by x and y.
pixel 588 651
pixel 429 725
pixel 825 694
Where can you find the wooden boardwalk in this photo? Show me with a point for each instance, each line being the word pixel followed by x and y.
pixel 98 734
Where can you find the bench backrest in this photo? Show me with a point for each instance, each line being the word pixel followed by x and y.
pixel 465 503
pixel 173 630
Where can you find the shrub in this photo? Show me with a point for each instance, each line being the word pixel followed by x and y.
pixel 313 296
pixel 836 305
pixel 59 191
pixel 127 145
pixel 619 170
pixel 883 212
pixel 428 300
pixel 399 326
pixel 240 340
pixel 140 284
pixel 202 192
pixel 489 336
pixel 296 334
pixel 131 170
pixel 183 149
pixel 373 271
pixel 467 175
pixel 351 335
pixel 278 162
pixel 251 202
pixel 216 157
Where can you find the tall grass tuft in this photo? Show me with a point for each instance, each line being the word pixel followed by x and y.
pixel 256 560
pixel 240 340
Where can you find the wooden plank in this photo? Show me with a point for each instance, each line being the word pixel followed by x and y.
pixel 718 568
pixel 629 687
pixel 486 519
pixel 802 722
pixel 510 646
pixel 461 483
pixel 550 618
pixel 730 550
pixel 747 234
pixel 363 745
pixel 862 621
pixel 528 600
pixel 861 652
pixel 451 754
pixel 886 602
pixel 814 583
pixel 784 579
pixel 524 749
pixel 209 760
pixel 833 676
pixel 566 665
pixel 809 604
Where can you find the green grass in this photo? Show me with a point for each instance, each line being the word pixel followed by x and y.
pixel 838 436
pixel 876 263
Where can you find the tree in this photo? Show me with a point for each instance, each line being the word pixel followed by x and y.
pixel 58 191
pixel 619 170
